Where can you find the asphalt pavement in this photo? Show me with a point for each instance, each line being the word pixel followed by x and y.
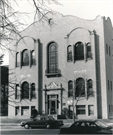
pixel 15 122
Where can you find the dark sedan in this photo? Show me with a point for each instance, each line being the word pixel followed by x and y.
pixel 42 121
pixel 87 127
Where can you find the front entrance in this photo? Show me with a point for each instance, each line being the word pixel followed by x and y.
pixel 53 104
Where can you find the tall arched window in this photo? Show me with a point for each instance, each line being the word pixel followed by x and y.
pixel 69 53
pixel 33 94
pixel 17 59
pixel 33 61
pixel 79 51
pixel 89 87
pixel 52 58
pixel 70 88
pixel 88 50
pixel 25 90
pixel 80 87
pixel 25 58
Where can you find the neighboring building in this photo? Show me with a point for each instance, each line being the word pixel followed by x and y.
pixel 4 90
pixel 60 57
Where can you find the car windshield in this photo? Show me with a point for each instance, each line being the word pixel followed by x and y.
pixel 51 118
pixel 101 124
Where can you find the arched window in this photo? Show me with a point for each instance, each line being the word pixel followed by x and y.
pixel 70 88
pixel 33 94
pixel 25 58
pixel 33 61
pixel 89 87
pixel 52 58
pixel 69 53
pixel 80 87
pixel 79 51
pixel 25 90
pixel 88 50
pixel 17 59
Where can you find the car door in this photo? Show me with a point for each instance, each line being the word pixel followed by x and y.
pixel 75 128
pixel 34 123
pixel 42 122
pixel 93 128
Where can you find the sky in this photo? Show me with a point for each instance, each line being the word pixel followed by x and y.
pixel 84 9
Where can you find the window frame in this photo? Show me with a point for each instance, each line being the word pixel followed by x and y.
pixel 33 59
pixel 17 60
pixel 23 108
pixel 82 108
pixel 17 109
pixel 17 95
pixel 79 49
pixel 90 88
pixel 25 62
pixel 25 94
pixel 89 53
pixel 52 65
pixel 70 88
pixel 90 112
pixel 33 91
pixel 77 93
pixel 69 53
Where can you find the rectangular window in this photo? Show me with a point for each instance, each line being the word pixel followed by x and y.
pixel 108 84
pixel 111 85
pixel 89 51
pixel 81 109
pixel 17 91
pixel 16 110
pixel 91 110
pixel 107 48
pixel 25 110
pixel 109 51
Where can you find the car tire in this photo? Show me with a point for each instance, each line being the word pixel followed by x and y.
pixel 26 126
pixel 48 126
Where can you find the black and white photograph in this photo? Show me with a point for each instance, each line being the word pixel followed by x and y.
pixel 56 67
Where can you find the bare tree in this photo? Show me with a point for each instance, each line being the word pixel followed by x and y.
pixel 10 27
pixel 10 19
pixel 78 93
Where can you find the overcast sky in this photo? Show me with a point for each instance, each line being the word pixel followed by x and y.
pixel 85 9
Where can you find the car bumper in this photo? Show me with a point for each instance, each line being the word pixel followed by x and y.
pixel 22 124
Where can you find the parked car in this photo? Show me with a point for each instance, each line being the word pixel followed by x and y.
pixel 87 127
pixel 42 121
pixel 107 122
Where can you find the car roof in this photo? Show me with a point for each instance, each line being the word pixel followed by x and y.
pixel 43 115
pixel 85 120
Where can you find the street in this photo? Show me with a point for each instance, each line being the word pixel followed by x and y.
pixel 23 131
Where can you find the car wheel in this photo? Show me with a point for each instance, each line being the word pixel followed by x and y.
pixel 26 126
pixel 48 126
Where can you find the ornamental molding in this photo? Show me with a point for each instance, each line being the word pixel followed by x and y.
pixel 53 85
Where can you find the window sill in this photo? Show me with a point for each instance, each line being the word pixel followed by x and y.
pixel 69 60
pixel 57 73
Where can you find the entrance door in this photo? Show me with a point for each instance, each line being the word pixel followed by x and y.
pixel 53 104
pixel 53 107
